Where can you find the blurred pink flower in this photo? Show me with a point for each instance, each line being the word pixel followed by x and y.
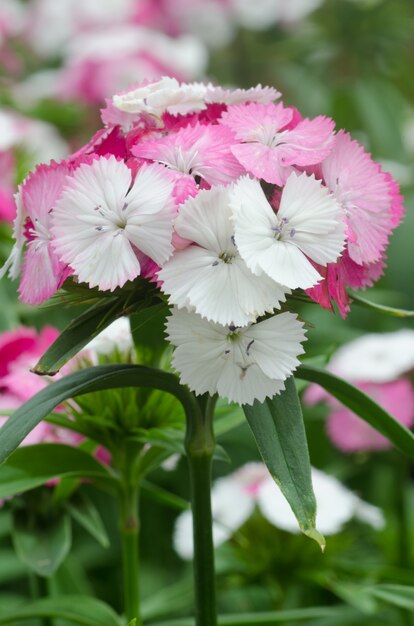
pixel 376 364
pixel 20 349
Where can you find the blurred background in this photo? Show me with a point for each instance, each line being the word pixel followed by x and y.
pixel 349 59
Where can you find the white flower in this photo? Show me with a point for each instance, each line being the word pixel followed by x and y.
pixel 116 336
pixel 307 224
pixel 102 215
pixel 336 505
pixel 166 94
pixel 211 276
pixel 377 357
pixel 235 497
pixel 231 506
pixel 260 94
pixel 240 364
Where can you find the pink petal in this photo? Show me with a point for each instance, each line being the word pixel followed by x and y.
pixel 310 142
pixel 262 162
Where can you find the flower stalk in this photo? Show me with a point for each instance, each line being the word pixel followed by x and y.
pixel 200 444
pixel 129 531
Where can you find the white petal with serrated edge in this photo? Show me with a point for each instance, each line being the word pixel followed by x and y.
pixel 276 343
pixel 107 262
pixel 316 217
pixel 205 219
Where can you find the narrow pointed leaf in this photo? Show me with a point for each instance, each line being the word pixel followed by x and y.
pixel 381 308
pixel 398 595
pixel 32 466
pixel 87 515
pixel 277 426
pixel 362 405
pixel 75 609
pixel 84 381
pixel 88 325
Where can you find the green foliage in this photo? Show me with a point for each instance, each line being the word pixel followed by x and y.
pixel 32 466
pixel 88 380
pixel 94 320
pixel 81 610
pixel 277 426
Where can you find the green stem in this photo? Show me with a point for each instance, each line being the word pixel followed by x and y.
pixel 129 539
pixel 200 445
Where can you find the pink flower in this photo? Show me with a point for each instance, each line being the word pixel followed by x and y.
pixel 20 349
pixel 366 194
pixel 269 147
pixel 199 150
pixel 376 364
pixel 351 434
pixel 42 271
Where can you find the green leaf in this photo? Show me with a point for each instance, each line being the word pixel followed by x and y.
pixel 398 595
pixel 84 381
pixel 77 609
pixel 87 515
pixel 88 325
pixel 271 618
pixel 168 600
pixel 32 466
pixel 381 308
pixel 362 405
pixel 277 426
pixel 227 417
pixel 44 545
pixel 158 494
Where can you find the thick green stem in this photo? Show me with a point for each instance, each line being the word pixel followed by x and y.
pixel 129 538
pixel 200 447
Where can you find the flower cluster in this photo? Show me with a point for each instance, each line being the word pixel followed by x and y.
pixel 381 365
pixel 236 496
pixel 230 201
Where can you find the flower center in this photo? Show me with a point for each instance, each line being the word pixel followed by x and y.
pixel 281 228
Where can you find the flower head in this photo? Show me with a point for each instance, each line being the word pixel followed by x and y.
pixel 103 217
pixel 268 147
pixel 307 226
pixel 240 364
pixel 199 150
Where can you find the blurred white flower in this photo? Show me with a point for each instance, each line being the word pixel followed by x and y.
pixel 262 14
pixel 40 141
pixel 116 336
pixel 377 357
pixel 336 505
pixel 235 497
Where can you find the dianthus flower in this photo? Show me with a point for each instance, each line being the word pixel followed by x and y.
pixel 379 365
pixel 228 201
